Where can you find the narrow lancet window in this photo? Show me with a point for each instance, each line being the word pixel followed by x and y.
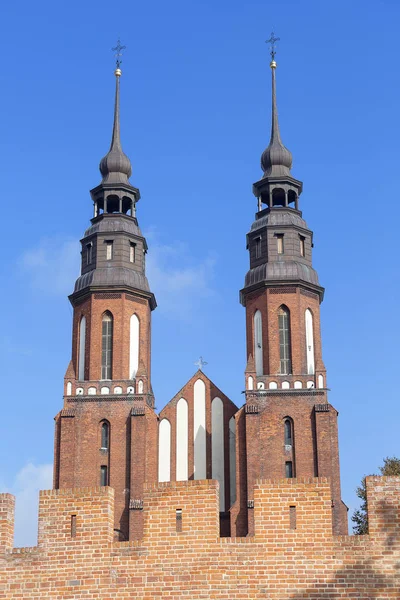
pixel 302 245
pixel 106 346
pixel 105 436
pixel 109 250
pixel 279 241
pixel 132 252
pixel 285 351
pixel 310 343
pixel 103 475
pixel 258 346
pixel 289 469
pixel 288 433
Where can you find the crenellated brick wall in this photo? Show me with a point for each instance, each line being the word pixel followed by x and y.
pixel 292 556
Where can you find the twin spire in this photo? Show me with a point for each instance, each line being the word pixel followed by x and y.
pixel 116 168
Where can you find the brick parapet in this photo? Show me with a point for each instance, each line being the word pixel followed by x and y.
pixel 306 563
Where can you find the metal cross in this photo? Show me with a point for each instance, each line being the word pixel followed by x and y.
pixel 118 52
pixel 201 363
pixel 272 40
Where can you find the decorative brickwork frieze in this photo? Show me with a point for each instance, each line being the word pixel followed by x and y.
pixel 283 290
pixel 251 409
pixel 135 504
pixel 322 407
pixel 305 292
pixel 135 299
pixel 107 296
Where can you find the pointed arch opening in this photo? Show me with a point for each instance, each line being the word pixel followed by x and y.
pixel 285 349
pixel 288 431
pixel 133 346
pixel 105 435
pixel 258 345
pixel 82 349
pixel 106 345
pixel 310 342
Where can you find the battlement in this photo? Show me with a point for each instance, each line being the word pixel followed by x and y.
pixel 293 553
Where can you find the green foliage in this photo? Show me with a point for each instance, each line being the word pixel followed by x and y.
pixel 391 466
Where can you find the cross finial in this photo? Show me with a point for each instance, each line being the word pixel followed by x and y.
pixel 118 52
pixel 201 363
pixel 272 41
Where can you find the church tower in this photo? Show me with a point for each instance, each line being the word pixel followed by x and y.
pixel 290 428
pixel 108 419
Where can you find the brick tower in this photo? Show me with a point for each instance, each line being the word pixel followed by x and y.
pixel 108 419
pixel 290 429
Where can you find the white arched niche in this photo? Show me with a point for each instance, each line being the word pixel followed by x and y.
pixel 310 342
pixel 250 383
pixel 164 451
pixel 69 388
pixel 82 347
pixel 199 430
pixel 320 381
pixel 182 440
pixel 258 346
pixel 217 448
pixel 133 346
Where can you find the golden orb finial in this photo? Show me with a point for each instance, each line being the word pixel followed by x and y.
pixel 272 64
pixel 118 72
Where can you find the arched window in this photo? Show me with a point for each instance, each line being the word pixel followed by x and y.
pixel 285 351
pixel 106 346
pixel 288 432
pixel 105 435
pixel 310 343
pixel 258 346
pixel 82 348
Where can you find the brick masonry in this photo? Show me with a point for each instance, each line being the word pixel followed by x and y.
pixel 178 558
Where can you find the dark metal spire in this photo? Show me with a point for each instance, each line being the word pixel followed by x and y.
pixel 116 167
pixel 276 160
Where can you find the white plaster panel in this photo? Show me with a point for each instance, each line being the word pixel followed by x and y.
pixel 250 383
pixel 258 345
pixel 164 451
pixel 320 381
pixel 310 384
pixel 298 385
pixel 133 347
pixel 140 387
pixel 105 390
pixel 217 448
pixel 118 389
pixel 182 440
pixel 285 385
pixel 310 343
pixel 273 385
pixel 69 388
pixel 232 459
pixel 199 430
pixel 92 391
pixel 82 346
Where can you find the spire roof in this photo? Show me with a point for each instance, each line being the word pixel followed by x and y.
pixel 276 160
pixel 115 166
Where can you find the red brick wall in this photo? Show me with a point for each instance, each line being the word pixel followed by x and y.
pixel 279 563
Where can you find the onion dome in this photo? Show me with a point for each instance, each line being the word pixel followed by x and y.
pixel 276 160
pixel 116 167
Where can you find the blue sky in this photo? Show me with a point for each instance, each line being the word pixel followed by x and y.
pixel 195 118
